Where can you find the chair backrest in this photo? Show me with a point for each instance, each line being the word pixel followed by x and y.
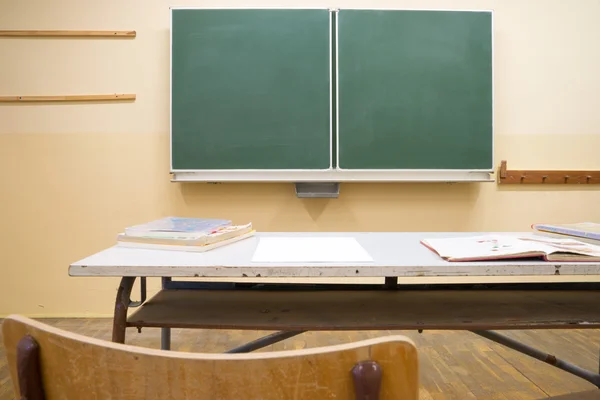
pixel 49 363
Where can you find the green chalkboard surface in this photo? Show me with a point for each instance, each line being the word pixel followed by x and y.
pixel 415 89
pixel 250 89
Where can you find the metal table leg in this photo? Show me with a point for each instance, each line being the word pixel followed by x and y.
pixel 589 376
pixel 121 305
pixel 165 333
pixel 264 341
pixel 165 338
pixel 391 282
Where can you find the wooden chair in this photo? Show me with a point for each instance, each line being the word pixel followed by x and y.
pixel 49 363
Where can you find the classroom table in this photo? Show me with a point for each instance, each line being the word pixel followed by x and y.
pixel 290 309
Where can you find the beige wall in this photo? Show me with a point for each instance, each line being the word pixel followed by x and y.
pixel 73 175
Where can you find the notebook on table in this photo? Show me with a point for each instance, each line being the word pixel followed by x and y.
pixel 184 234
pixel 588 230
pixel 176 227
pixel 501 247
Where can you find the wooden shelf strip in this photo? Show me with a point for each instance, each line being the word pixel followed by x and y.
pixel 89 97
pixel 369 309
pixel 506 176
pixel 63 33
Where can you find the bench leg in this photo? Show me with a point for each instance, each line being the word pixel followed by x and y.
pixel 165 338
pixel 121 305
pixel 264 341
pixel 165 333
pixel 589 376
pixel 391 282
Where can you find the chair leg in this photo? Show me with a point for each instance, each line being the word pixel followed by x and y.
pixel 367 380
pixel 28 369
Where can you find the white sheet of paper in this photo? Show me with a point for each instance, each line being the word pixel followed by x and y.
pixel 310 249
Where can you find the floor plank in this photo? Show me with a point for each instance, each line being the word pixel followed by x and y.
pixel 589 395
pixel 453 364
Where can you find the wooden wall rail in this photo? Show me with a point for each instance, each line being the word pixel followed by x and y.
pixel 506 176
pixel 62 33
pixel 89 97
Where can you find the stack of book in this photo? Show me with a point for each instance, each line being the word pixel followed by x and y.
pixel 184 234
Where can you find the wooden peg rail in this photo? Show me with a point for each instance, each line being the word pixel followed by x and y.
pixel 551 177
pixel 59 33
pixel 88 97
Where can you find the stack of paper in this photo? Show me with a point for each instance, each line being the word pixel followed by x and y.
pixel 184 234
pixel 310 250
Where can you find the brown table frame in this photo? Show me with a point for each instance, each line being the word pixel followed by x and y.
pixel 286 309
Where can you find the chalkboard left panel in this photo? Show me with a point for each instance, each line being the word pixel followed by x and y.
pixel 250 89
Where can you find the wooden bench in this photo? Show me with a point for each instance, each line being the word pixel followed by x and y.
pixel 49 363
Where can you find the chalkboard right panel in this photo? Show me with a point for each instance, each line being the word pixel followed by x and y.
pixel 415 90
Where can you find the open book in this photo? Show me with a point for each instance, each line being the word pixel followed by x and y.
pixel 498 247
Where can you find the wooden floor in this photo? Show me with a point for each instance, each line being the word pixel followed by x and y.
pixel 454 364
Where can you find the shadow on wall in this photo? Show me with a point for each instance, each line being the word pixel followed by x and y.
pixel 360 206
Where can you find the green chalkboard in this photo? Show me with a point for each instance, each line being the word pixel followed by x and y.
pixel 415 89
pixel 250 89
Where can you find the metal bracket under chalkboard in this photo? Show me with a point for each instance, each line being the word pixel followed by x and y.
pixel 317 189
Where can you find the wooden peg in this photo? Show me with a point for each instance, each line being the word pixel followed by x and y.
pixel 29 373
pixel 503 169
pixel 367 380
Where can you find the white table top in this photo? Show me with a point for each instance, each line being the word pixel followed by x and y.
pixel 393 253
